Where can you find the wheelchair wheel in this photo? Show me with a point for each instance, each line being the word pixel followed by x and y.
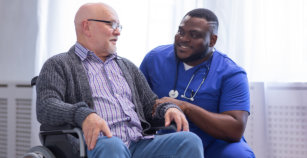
pixel 39 152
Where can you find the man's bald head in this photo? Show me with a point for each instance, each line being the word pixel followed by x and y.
pixel 92 11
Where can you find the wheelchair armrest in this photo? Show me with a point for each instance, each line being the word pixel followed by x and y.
pixel 158 126
pixel 45 127
pixel 59 130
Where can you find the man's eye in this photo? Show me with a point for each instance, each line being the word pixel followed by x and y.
pixel 195 35
pixel 180 32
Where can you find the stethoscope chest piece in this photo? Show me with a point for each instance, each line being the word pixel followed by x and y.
pixel 173 93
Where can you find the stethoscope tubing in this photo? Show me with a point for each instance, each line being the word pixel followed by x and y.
pixel 194 73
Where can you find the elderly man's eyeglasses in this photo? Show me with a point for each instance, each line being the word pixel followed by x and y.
pixel 113 24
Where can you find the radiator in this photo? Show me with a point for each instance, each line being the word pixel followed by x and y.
pixel 277 126
pixel 18 125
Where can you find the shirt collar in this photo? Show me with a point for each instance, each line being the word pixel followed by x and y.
pixel 83 52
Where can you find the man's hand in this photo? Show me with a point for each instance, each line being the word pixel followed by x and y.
pixel 92 126
pixel 173 114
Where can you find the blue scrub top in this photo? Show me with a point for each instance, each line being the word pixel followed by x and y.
pixel 225 88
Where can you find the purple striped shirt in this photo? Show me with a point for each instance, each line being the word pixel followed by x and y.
pixel 111 95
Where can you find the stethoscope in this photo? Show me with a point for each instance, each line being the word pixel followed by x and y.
pixel 174 93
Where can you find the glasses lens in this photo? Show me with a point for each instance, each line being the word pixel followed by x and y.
pixel 116 26
pixel 119 27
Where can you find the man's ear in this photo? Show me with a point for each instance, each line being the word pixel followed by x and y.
pixel 86 28
pixel 213 39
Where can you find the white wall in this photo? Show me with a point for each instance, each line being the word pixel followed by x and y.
pixel 18 32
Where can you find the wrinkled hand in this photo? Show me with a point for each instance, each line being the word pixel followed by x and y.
pixel 92 126
pixel 172 100
pixel 173 114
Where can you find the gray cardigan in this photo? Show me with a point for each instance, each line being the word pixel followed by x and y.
pixel 64 95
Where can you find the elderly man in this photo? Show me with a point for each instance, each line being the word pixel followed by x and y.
pixel 107 96
pixel 209 87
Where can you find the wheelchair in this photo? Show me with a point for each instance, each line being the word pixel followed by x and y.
pixel 55 142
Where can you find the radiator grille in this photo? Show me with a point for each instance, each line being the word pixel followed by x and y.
pixel 3 129
pixel 287 131
pixel 287 120
pixel 23 126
